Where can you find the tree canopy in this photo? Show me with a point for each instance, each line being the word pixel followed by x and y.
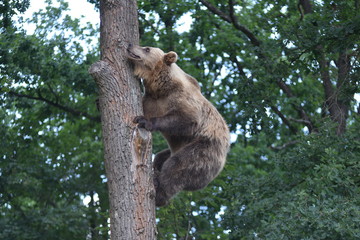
pixel 284 74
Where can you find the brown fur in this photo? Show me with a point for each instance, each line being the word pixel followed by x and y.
pixel 197 135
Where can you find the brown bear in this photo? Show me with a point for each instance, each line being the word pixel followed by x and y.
pixel 196 133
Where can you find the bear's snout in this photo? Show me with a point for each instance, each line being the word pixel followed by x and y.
pixel 131 54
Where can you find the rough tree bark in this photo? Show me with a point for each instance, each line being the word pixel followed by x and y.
pixel 127 149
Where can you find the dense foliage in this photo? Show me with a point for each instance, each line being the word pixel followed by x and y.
pixel 284 74
pixel 51 153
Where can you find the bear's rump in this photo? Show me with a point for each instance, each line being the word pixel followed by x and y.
pixel 194 166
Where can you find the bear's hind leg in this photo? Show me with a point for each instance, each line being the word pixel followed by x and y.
pixel 160 158
pixel 191 168
pixel 170 181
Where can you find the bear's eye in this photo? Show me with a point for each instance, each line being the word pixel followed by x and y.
pixel 147 49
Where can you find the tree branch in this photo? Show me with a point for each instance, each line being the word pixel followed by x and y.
pixel 299 121
pixel 232 19
pixel 284 119
pixel 325 76
pixel 216 11
pixel 256 42
pixel 305 118
pixel 306 5
pixel 344 67
pixel 245 30
pixel 239 67
pixel 286 89
pixel 285 145
pixel 299 109
pixel 54 104
pixel 53 92
pixel 143 18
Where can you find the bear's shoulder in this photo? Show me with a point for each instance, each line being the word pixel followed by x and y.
pixel 193 81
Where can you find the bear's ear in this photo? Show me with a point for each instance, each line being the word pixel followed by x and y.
pixel 170 57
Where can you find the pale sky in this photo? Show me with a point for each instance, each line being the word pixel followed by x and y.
pixel 77 9
pixel 80 8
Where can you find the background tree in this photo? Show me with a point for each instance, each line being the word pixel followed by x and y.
pixel 51 154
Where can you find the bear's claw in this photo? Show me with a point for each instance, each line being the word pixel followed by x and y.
pixel 143 122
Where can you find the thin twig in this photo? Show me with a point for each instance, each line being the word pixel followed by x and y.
pixel 285 145
pixel 232 19
pixel 299 121
pixel 65 108
pixel 284 119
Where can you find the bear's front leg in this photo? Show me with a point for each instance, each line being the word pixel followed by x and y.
pixel 173 123
pixel 143 123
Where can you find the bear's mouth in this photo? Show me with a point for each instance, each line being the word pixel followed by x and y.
pixel 133 55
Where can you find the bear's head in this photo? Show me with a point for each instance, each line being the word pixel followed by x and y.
pixel 148 60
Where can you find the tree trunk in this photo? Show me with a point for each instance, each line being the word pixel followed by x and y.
pixel 127 149
pixel 337 105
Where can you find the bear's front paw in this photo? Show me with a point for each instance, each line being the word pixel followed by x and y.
pixel 143 122
pixel 138 119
